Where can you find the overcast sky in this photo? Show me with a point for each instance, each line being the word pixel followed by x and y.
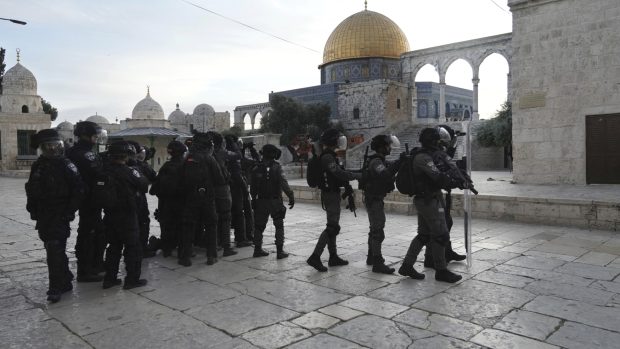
pixel 98 56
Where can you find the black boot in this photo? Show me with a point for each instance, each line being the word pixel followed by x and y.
pixel 186 262
pixel 453 256
pixel 428 262
pixel 244 243
pixel 111 283
pixel 281 254
pixel 54 296
pixel 447 276
pixel 211 260
pixel 369 260
pixel 380 267
pixel 315 262
pixel 409 270
pixel 335 260
pixel 259 252
pixel 229 252
pixel 129 284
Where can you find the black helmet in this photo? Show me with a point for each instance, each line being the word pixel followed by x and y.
pixel 120 148
pixel 176 148
pixel 429 137
pixel 271 151
pixel 330 137
pixel 86 128
pixel 201 139
pixel 216 138
pixel 44 136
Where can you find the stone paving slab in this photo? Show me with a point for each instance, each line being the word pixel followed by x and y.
pixel 241 314
pixel 530 286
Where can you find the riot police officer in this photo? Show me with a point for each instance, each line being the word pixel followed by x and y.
pixel 430 205
pixel 54 191
pixel 121 219
pixel 238 188
pixel 443 157
pixel 335 177
pixel 267 183
pixel 136 161
pixel 378 181
pixel 170 199
pixel 90 242
pixel 199 176
pixel 223 198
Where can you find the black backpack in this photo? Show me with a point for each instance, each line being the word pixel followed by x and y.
pixel 314 172
pixel 109 192
pixel 405 181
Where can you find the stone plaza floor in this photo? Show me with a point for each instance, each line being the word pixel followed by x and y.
pixel 531 286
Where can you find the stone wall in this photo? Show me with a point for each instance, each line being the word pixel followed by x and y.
pixel 570 213
pixel 565 65
pixel 9 124
pixel 377 103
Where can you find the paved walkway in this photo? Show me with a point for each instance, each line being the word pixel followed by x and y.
pixel 530 287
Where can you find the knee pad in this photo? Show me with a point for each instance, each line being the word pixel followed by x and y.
pixel 378 235
pixel 332 230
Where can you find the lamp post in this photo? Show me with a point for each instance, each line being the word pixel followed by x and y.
pixel 16 21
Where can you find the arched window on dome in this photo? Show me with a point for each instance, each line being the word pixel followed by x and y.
pixel 24 109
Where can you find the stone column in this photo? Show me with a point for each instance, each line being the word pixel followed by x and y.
pixel 475 115
pixel 510 93
pixel 414 102
pixel 442 98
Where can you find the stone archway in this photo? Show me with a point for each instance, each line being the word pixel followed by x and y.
pixel 252 110
pixel 473 52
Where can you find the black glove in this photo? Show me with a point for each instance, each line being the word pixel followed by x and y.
pixel 291 201
pixel 70 216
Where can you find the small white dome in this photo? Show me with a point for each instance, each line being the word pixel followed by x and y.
pixel 65 126
pixel 177 116
pixel 148 108
pixel 98 119
pixel 19 81
pixel 204 110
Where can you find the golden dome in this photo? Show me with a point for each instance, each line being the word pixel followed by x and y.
pixel 365 34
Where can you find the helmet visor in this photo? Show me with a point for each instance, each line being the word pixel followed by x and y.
pixel 52 149
pixel 444 137
pixel 394 142
pixel 342 143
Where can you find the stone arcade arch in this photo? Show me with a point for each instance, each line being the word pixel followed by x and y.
pixel 441 57
pixel 252 110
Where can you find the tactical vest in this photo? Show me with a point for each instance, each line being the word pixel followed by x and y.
pixel 376 186
pixel 331 182
pixel 267 177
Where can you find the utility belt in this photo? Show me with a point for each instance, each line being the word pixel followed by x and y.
pixel 260 197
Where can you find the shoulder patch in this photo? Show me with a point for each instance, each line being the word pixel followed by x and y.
pixel 90 156
pixel 72 167
pixel 135 173
pixel 432 166
pixel 380 168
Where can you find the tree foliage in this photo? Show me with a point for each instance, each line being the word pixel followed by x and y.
pixel 2 66
pixel 291 118
pixel 48 109
pixel 497 132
